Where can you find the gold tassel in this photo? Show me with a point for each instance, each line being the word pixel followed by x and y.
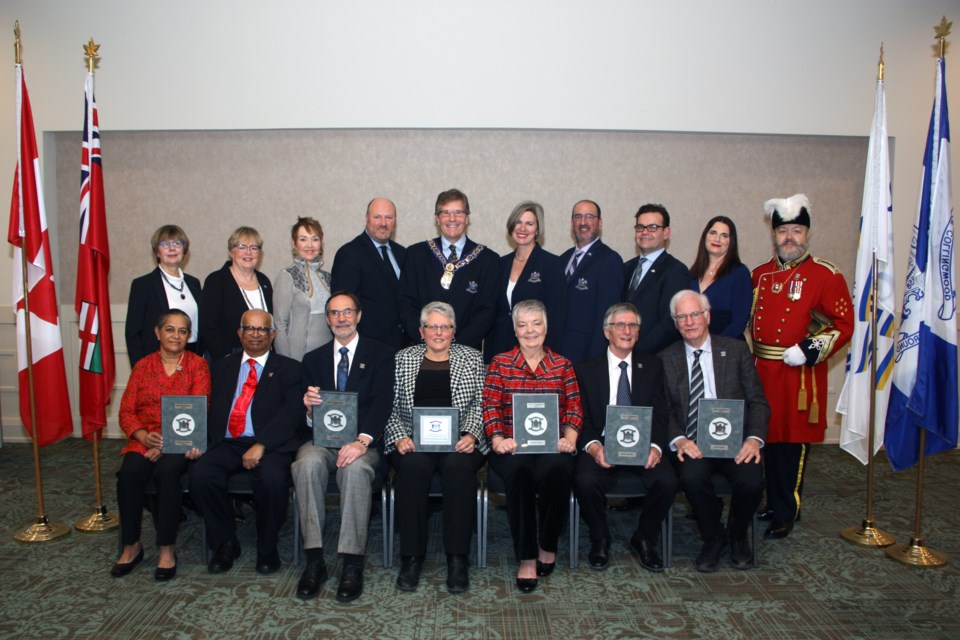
pixel 814 416
pixel 802 396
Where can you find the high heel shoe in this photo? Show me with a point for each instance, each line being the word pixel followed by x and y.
pixel 526 585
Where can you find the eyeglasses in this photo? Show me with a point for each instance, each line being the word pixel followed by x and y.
pixel 252 248
pixel 452 213
pixel 585 217
pixel 695 315
pixel 170 244
pixel 248 330
pixel 345 313
pixel 442 328
pixel 629 326
pixel 652 228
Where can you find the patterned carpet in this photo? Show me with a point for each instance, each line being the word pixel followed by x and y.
pixel 812 585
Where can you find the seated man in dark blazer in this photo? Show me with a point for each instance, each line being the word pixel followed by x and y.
pixel 255 424
pixel 622 376
pixel 711 366
pixel 370 266
pixel 349 362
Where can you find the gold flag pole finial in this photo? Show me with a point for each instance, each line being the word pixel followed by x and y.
pixel 880 66
pixel 91 50
pixel 16 41
pixel 943 30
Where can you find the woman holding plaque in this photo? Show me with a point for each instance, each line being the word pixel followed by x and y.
pixel 301 292
pixel 231 291
pixel 172 370
pixel 436 373
pixel 720 275
pixel 537 485
pixel 166 287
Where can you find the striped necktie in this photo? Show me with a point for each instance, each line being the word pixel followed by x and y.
pixel 696 393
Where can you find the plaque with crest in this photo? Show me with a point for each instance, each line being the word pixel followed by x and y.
pixel 335 419
pixel 720 427
pixel 626 437
pixel 183 421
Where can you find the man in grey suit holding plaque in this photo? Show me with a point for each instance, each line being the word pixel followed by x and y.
pixel 706 366
pixel 348 363
pixel 622 376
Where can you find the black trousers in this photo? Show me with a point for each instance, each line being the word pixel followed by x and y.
pixel 746 481
pixel 592 482
pixel 538 485
pixel 458 479
pixel 786 465
pixel 271 482
pixel 134 475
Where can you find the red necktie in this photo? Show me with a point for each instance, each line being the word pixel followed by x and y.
pixel 238 415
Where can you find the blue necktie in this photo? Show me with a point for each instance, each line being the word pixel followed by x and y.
pixel 343 369
pixel 623 387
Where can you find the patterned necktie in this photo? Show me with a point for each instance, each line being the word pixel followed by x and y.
pixel 238 415
pixel 453 253
pixel 623 387
pixel 343 369
pixel 696 392
pixel 573 264
pixel 637 275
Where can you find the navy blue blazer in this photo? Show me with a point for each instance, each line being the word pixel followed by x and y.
pixel 666 276
pixel 360 269
pixel 221 307
pixel 472 294
pixel 596 284
pixel 148 301
pixel 541 279
pixel 371 376
pixel 731 298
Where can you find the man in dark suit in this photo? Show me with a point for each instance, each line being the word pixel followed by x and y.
pixel 365 367
pixel 712 366
pixel 370 266
pixel 594 274
pixel 254 424
pixel 622 376
pixel 453 269
pixel 651 279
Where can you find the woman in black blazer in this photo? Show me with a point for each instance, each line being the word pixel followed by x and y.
pixel 166 287
pixel 231 291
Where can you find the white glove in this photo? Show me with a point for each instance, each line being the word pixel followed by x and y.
pixel 794 356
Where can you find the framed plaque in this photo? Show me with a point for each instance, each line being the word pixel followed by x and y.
pixel 335 419
pixel 720 427
pixel 627 435
pixel 183 420
pixel 536 422
pixel 436 429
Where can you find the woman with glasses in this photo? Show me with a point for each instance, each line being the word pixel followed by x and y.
pixel 302 291
pixel 436 373
pixel 231 291
pixel 720 275
pixel 166 287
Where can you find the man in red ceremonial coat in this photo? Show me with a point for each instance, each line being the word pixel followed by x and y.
pixel 802 314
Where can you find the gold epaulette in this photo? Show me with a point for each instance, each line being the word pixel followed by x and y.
pixel 827 264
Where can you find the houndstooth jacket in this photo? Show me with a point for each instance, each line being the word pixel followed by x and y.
pixel 467 373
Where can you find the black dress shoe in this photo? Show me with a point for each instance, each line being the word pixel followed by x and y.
pixel 121 569
pixel 410 568
pixel 709 559
pixel 268 563
pixel 545 568
pixel 351 582
pixel 599 556
pixel 458 575
pixel 527 585
pixel 741 557
pixel 312 578
pixel 162 574
pixel 223 557
pixel 778 530
pixel 647 553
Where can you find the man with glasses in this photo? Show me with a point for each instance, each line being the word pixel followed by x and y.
pixel 653 277
pixel 626 376
pixel 453 269
pixel 706 366
pixel 254 424
pixel 356 364
pixel 594 280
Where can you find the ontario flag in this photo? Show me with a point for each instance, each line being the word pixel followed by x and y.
pixel 97 370
pixel 31 254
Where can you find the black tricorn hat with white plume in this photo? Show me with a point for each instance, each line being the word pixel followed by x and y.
pixel 792 210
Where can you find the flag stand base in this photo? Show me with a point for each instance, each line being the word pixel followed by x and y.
pixel 97 522
pixel 41 531
pixel 868 535
pixel 914 553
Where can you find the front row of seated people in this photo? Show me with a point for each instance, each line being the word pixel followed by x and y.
pixel 260 406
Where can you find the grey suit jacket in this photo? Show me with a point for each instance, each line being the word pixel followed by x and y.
pixel 736 379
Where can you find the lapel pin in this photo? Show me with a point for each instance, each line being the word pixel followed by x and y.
pixel 363 365
pixel 723 354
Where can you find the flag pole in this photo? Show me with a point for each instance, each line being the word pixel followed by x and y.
pixel 42 529
pixel 867 534
pixel 915 552
pixel 100 520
